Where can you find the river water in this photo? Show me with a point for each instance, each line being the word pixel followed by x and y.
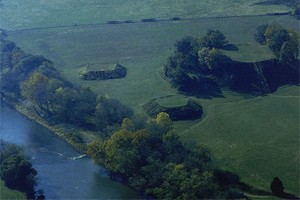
pixel 60 175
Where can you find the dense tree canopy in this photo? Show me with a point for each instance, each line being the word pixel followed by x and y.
pixel 16 171
pixel 210 58
pixel 155 161
pixel 34 78
pixel 74 105
pixel 213 39
pixel 283 43
pixel 109 112
pixel 195 64
pixel 40 90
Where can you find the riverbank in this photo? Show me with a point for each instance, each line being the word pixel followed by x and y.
pixel 64 131
pixel 7 193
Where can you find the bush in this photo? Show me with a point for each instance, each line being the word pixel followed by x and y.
pixel 213 39
pixel 16 171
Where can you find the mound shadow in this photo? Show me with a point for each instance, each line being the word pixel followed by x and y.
pixel 262 77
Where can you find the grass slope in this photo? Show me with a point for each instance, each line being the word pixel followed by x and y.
pixel 8 194
pixel 254 137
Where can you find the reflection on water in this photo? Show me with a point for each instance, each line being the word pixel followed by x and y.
pixel 61 174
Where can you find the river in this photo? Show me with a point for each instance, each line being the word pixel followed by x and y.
pixel 60 175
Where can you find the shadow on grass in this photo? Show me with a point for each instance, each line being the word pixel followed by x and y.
pixel 202 87
pixel 257 192
pixel 278 75
pixel 245 79
pixel 230 47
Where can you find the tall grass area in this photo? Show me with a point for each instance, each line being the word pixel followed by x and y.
pixel 6 193
pixel 256 137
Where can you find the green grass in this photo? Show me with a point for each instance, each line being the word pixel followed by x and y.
pixel 173 101
pixel 254 137
pixel 8 194
pixel 250 53
pixel 20 14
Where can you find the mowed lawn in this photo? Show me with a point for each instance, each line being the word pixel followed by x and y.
pixel 256 137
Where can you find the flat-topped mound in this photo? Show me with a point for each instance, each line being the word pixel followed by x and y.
pixel 172 101
pixel 99 67
pixel 102 72
pixel 178 107
pixel 249 53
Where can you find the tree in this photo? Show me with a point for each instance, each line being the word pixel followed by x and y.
pixel 16 171
pixel 28 64
pixel 179 183
pixel 110 111
pixel 290 49
pixel 96 150
pixel 75 104
pixel 213 39
pixel 283 43
pixel 160 164
pixel 187 45
pixel 40 90
pixel 210 58
pixel 128 124
pixel 122 156
pixel 276 40
pixel 277 187
pixel 163 120
pixel 196 71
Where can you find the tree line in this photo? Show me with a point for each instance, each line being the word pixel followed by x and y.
pixel 34 79
pixel 152 160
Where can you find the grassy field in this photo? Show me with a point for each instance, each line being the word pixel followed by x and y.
pixel 21 14
pixel 141 47
pixel 256 137
pixel 8 194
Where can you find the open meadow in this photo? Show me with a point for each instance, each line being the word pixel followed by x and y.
pixel 256 137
